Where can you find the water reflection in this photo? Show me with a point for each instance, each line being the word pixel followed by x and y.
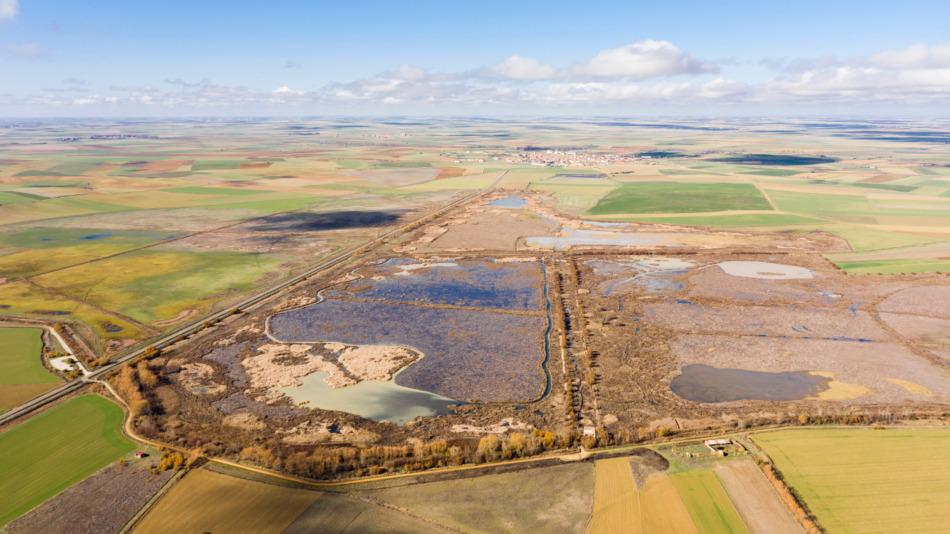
pixel 372 399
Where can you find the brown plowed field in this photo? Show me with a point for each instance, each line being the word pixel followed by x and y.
pixel 758 504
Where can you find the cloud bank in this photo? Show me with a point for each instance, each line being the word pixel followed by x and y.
pixel 644 73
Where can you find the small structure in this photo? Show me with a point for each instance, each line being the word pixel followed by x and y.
pixel 718 446
pixel 590 431
pixel 139 454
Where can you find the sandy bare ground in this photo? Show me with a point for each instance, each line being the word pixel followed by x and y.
pixel 197 376
pixel 863 364
pixel 759 506
pixel 281 365
pixel 505 425
pixel 828 323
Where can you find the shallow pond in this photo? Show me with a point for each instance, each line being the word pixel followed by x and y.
pixel 372 399
pixel 571 238
pixel 653 274
pixel 766 271
pixel 702 383
pixel 469 355
pixel 510 202
pixel 477 284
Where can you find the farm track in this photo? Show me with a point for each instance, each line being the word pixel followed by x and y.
pixel 258 299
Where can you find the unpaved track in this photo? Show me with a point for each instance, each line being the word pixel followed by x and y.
pixel 757 502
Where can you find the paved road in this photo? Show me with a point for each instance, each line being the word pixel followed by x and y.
pixel 197 325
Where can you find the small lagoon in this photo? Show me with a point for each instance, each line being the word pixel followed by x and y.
pixel 372 399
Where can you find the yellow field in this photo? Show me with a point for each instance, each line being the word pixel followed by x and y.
pixel 208 502
pixel 616 500
pixel 863 481
pixel 663 511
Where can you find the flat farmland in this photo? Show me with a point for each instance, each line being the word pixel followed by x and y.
pixel 56 449
pixel 550 499
pixel 156 284
pixel 339 514
pixel 861 481
pixel 616 502
pixel 663 510
pixel 210 502
pixel 757 502
pixel 20 361
pixel 707 502
pixel 681 198
pixel 22 375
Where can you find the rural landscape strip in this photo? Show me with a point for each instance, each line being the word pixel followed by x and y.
pixel 198 325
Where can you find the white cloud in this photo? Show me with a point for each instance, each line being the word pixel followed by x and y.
pixel 27 50
pixel 290 65
pixel 918 56
pixel 408 73
pixel 74 81
pixel 9 9
pixel 524 68
pixel 642 60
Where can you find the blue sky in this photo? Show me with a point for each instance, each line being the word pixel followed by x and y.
pixel 111 58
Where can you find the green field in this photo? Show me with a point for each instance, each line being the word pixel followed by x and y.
pixel 38 250
pixel 895 266
pixel 217 165
pixel 680 198
pixel 862 481
pixel 56 449
pixel 154 284
pixel 20 361
pixel 797 202
pixel 751 219
pixel 863 238
pixel 707 503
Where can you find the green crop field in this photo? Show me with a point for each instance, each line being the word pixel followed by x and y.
pixel 680 198
pixel 22 375
pixel 798 202
pixel 217 165
pixel 895 266
pixel 864 238
pixel 154 284
pixel 20 357
pixel 707 503
pixel 862 481
pixel 750 219
pixel 56 449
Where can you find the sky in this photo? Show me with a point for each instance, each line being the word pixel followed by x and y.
pixel 113 58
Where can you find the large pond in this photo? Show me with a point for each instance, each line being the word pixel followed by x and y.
pixel 372 399
pixel 469 355
pixel 702 383
pixel 570 238
pixel 477 284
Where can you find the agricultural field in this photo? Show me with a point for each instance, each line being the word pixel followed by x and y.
pixel 57 449
pixel 554 499
pixel 119 491
pixel 487 291
pixel 856 480
pixel 22 375
pixel 204 501
pixel 681 198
